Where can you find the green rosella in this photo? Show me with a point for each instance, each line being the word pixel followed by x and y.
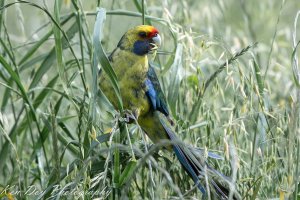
pixel 141 93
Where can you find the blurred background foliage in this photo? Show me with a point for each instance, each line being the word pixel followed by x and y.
pixel 57 135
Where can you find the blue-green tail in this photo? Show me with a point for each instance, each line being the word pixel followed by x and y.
pixel 198 168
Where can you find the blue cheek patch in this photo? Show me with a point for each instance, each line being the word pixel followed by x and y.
pixel 141 47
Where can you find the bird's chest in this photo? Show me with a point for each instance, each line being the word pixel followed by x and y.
pixel 132 86
pixel 131 75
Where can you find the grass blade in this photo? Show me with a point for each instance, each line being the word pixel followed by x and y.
pixel 259 79
pixel 58 45
pixel 102 57
pixel 127 172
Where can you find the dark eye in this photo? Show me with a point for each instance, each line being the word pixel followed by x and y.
pixel 142 34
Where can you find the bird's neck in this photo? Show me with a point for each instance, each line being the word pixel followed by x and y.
pixel 139 61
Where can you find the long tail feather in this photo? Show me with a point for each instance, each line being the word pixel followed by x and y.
pixel 194 166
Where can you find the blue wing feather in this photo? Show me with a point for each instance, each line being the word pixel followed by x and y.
pixel 151 93
pixel 155 93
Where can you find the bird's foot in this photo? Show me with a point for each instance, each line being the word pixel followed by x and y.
pixel 129 116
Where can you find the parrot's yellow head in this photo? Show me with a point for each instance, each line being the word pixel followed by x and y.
pixel 141 40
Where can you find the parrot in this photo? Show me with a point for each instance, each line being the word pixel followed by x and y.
pixel 141 94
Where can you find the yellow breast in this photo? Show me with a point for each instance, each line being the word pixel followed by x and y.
pixel 131 71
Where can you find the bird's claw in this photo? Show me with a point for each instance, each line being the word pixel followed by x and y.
pixel 130 116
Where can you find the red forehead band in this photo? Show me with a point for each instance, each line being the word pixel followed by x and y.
pixel 153 33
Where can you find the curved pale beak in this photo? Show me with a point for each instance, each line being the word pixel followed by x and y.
pixel 155 42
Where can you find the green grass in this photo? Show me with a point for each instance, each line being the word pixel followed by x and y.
pixel 230 72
